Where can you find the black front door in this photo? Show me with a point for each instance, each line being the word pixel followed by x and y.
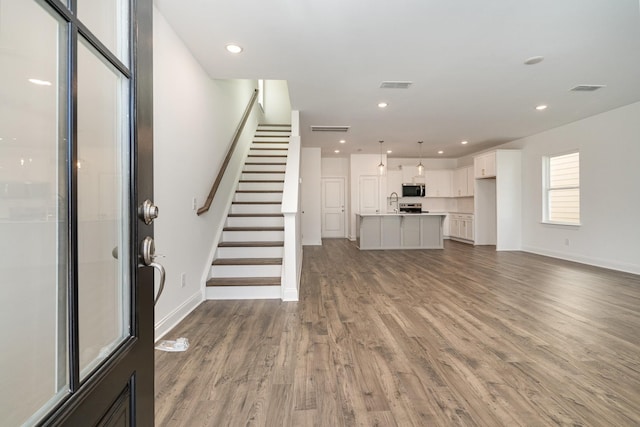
pixel 75 169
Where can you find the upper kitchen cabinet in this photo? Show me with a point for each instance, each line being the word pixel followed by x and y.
pixel 438 183
pixel 485 165
pixel 410 175
pixel 463 182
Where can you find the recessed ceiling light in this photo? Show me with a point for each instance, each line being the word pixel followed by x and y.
pixel 440 152
pixel 464 142
pixel 389 151
pixel 342 141
pixel 534 60
pixel 336 151
pixel 234 48
pixel 382 104
pixel 541 107
pixel 40 82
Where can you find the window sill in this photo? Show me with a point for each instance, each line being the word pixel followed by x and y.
pixel 560 224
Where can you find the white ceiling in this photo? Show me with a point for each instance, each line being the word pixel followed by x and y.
pixel 464 57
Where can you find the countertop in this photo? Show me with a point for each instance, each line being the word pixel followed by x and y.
pixel 405 214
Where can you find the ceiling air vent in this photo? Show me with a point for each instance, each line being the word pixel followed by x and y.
pixel 395 85
pixel 586 88
pixel 330 128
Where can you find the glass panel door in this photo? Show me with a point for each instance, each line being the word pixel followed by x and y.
pixel 109 22
pixel 103 192
pixel 33 213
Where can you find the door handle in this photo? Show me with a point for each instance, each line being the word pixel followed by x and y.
pixel 148 256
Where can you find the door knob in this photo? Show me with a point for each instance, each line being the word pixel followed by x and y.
pixel 147 257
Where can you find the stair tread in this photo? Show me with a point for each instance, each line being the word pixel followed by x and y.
pixel 253 229
pixel 280 172
pixel 269 244
pixel 265 155
pixel 255 215
pixel 244 281
pixel 257 203
pixel 268 149
pixel 247 261
pixel 258 191
pixel 262 180
pixel 274 124
pixel 265 163
pixel 271 142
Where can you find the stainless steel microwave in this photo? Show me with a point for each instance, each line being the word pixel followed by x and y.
pixel 413 190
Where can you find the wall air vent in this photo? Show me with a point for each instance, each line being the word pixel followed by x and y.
pixel 586 88
pixel 395 85
pixel 330 128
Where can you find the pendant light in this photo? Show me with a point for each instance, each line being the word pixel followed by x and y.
pixel 420 165
pixel 381 165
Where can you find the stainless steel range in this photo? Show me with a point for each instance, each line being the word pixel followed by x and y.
pixel 410 207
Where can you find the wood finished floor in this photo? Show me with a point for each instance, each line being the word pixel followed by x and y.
pixel 460 336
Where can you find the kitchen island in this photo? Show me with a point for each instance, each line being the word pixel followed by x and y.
pixel 400 231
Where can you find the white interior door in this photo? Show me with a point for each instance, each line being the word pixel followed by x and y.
pixel 333 213
pixel 369 194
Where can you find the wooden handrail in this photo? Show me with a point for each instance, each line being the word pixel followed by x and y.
pixel 227 159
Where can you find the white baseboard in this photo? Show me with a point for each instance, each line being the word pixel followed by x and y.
pixel 312 243
pixel 597 262
pixel 243 292
pixel 172 319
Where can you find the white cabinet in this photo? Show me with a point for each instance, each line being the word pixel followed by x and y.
pixel 471 182
pixel 410 174
pixel 485 165
pixel 461 227
pixel 463 182
pixel 438 183
pixel 403 231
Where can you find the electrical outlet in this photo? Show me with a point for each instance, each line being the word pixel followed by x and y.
pixel 183 280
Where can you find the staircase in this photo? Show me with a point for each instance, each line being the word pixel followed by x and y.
pixel 248 260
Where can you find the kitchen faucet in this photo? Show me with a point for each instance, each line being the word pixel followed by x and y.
pixel 392 201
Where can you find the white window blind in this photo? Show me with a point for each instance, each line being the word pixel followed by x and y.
pixel 563 189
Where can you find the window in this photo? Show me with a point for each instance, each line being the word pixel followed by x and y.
pixel 562 189
pixel 261 93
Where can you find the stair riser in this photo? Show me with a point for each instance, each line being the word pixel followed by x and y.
pixel 255 222
pixel 275 144
pixel 252 236
pixel 265 167
pixel 263 176
pixel 276 186
pixel 270 152
pixel 253 252
pixel 266 159
pixel 275 208
pixel 242 292
pixel 245 271
pixel 273 129
pixel 258 197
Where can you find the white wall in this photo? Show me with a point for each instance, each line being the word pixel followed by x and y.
pixel 277 106
pixel 194 120
pixel 609 145
pixel 310 166
pixel 333 167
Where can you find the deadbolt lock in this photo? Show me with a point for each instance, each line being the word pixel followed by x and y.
pixel 148 211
